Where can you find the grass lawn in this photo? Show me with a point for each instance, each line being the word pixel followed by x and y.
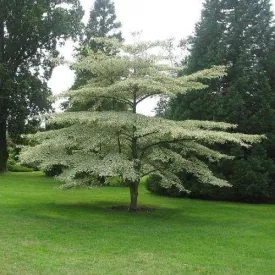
pixel 48 231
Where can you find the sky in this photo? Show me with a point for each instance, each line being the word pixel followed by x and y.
pixel 157 19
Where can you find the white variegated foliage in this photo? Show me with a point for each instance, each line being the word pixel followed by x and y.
pixel 127 144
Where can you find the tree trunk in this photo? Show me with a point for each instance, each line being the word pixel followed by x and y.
pixel 3 122
pixel 3 147
pixel 134 196
pixel 134 185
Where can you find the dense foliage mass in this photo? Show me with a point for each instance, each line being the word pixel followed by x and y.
pixel 241 35
pixel 29 34
pixel 127 144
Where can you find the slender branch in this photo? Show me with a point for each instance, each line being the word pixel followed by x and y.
pixel 148 134
pixel 127 137
pixel 114 98
pixel 135 100
pixel 150 172
pixel 147 96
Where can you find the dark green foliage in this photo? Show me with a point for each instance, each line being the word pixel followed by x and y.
pixel 53 171
pixel 241 35
pixel 13 163
pixel 30 32
pixel 103 22
pixel 251 174
pixel 12 166
pixel 153 184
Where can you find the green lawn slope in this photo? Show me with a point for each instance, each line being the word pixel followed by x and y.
pixel 48 231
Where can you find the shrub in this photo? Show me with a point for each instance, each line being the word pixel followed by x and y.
pixel 153 184
pixel 15 167
pixel 54 170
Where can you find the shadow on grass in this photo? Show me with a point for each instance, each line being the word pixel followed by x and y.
pixel 107 207
pixel 102 210
pixel 99 214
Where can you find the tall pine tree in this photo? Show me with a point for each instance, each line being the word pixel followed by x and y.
pixel 241 35
pixel 103 21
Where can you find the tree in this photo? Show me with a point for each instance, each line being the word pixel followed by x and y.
pixel 241 35
pixel 102 23
pixel 29 35
pixel 127 144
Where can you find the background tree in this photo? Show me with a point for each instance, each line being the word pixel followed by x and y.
pixel 126 144
pixel 29 35
pixel 241 35
pixel 102 23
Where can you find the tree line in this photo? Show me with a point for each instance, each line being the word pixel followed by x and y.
pixel 240 35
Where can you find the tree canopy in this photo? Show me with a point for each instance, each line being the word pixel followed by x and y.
pixel 102 23
pixel 30 32
pixel 240 35
pixel 127 144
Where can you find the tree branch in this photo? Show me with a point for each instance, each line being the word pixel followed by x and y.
pixel 162 142
pixel 148 134
pixel 147 96
pixel 150 172
pixel 114 98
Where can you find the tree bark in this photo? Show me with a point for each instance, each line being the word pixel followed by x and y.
pixel 3 122
pixel 3 146
pixel 134 196
pixel 134 185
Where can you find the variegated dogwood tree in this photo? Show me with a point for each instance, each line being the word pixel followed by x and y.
pixel 127 144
